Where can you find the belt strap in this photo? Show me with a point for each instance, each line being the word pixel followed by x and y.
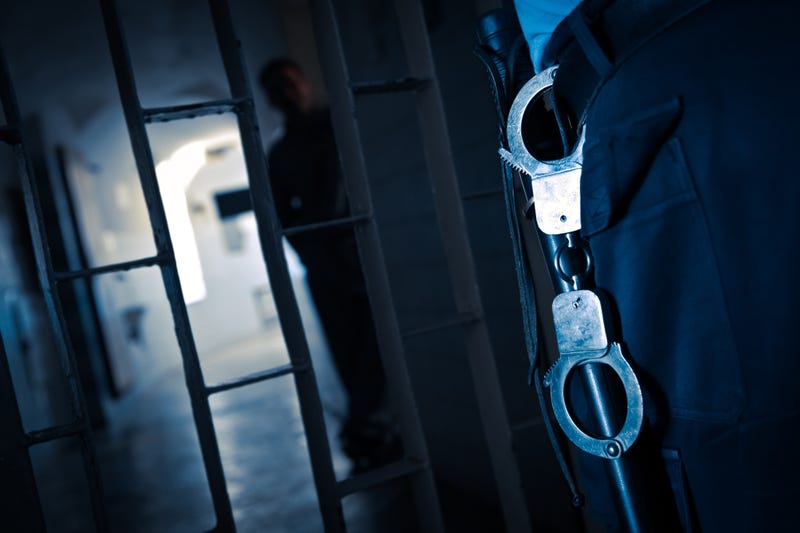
pixel 598 36
pixel 501 48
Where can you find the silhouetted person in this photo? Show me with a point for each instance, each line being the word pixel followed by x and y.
pixel 307 185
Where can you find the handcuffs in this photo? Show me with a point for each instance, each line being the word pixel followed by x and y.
pixel 579 314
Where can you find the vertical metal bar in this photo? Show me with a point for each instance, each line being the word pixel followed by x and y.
pixel 277 269
pixel 78 261
pixel 19 498
pixel 461 266
pixel 55 311
pixel 169 272
pixel 348 140
pixel 61 247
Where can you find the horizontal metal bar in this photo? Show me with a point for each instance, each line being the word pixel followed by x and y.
pixel 482 194
pixel 9 135
pixel 116 267
pixel 451 323
pixel 389 86
pixel 379 476
pixel 257 377
pixel 40 436
pixel 200 109
pixel 527 424
pixel 294 230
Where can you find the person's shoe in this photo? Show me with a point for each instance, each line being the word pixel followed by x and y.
pixel 370 446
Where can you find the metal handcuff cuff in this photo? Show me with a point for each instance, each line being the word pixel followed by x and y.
pixel 578 313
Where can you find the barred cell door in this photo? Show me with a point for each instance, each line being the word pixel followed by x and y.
pixel 420 80
pixel 345 95
pixel 414 465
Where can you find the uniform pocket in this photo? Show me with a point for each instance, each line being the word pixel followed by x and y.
pixel 653 254
pixel 616 163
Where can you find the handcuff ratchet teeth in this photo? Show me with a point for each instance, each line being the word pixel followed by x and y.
pixel 555 185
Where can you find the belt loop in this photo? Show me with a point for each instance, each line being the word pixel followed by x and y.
pixel 591 48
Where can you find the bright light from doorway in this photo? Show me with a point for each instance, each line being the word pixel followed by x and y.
pixel 174 177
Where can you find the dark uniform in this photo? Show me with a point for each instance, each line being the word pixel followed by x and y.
pixel 690 192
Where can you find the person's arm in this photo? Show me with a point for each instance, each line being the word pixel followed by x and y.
pixel 538 19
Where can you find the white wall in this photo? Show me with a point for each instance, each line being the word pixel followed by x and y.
pixel 61 68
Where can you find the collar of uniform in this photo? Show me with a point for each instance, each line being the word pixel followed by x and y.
pixel 614 28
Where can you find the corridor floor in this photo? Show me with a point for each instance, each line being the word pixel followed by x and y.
pixel 152 470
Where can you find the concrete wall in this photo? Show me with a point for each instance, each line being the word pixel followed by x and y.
pixel 62 71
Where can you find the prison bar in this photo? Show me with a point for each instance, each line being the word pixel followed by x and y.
pixel 351 154
pixel 306 228
pixel 52 299
pixel 41 436
pixel 482 194
pixel 379 476
pixel 94 358
pixel 115 267
pixel 389 86
pixel 257 377
pixel 277 269
pixel 461 266
pixel 189 111
pixel 134 118
pixel 527 424
pixel 445 324
pixel 20 508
